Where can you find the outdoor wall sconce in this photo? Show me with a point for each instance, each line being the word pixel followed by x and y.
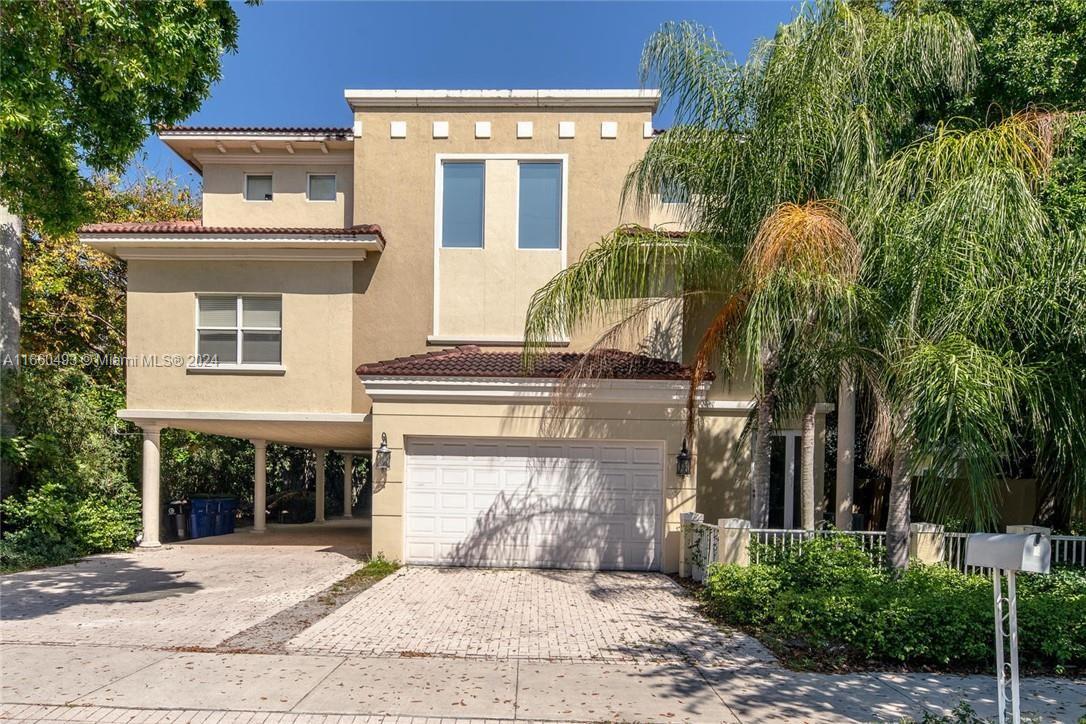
pixel 382 456
pixel 682 461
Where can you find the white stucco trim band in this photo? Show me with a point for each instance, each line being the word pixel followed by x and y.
pixel 561 98
pixel 821 408
pixel 143 417
pixel 531 390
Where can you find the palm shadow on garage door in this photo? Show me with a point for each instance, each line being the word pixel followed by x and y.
pixel 509 502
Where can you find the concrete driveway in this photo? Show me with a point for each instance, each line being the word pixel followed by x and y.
pixel 195 594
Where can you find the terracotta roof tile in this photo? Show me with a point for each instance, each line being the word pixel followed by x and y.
pixel 195 227
pixel 346 133
pixel 471 361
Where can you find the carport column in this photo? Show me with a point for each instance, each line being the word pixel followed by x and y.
pixel 348 484
pixel 152 503
pixel 260 485
pixel 320 454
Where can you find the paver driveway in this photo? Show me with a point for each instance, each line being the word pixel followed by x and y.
pixel 528 614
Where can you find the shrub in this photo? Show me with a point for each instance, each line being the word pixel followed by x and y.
pixel 825 603
pixel 49 525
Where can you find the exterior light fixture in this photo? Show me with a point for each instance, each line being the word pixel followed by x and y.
pixel 382 456
pixel 682 461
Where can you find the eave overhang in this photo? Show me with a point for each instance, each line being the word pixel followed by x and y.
pixel 277 246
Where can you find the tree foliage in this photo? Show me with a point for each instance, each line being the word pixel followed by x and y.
pixel 83 84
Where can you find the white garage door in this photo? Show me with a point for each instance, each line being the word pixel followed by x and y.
pixel 561 504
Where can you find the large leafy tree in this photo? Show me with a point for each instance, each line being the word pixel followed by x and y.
pixel 83 84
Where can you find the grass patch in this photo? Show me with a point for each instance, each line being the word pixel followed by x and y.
pixel 368 574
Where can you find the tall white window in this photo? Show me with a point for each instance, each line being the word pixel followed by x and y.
pixel 322 187
pixel 258 187
pixel 239 329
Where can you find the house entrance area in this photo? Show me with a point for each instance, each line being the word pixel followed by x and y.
pixel 580 504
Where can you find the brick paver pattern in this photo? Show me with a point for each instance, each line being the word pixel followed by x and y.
pixel 528 614
pixel 45 714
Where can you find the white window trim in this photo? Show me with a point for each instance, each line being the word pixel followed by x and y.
pixel 335 193
pixel 439 188
pixel 788 516
pixel 439 203
pixel 562 210
pixel 239 329
pixel 245 188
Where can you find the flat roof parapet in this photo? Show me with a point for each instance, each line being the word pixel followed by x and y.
pixel 648 99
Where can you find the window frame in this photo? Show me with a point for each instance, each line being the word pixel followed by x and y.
pixel 442 163
pixel 562 205
pixel 308 188
pixel 245 188
pixel 239 330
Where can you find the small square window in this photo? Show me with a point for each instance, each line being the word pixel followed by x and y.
pixel 322 187
pixel 258 188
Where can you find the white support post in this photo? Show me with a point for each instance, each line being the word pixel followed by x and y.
pixel 260 485
pixel 348 485
pixel 320 454
pixel 152 495
pixel 1006 632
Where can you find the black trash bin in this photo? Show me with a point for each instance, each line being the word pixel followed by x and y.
pixel 177 520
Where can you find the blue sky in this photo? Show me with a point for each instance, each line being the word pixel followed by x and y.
pixel 295 58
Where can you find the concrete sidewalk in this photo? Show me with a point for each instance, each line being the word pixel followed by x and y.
pixel 124 684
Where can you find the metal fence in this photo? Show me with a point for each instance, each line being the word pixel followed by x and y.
pixel 702 543
pixel 769 540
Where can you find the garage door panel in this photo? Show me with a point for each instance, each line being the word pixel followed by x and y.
pixel 563 504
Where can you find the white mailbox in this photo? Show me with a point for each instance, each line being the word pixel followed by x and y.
pixel 1007 554
pixel 1027 552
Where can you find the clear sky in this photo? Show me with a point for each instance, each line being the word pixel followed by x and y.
pixel 296 58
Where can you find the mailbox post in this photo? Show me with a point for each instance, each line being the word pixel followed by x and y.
pixel 1007 554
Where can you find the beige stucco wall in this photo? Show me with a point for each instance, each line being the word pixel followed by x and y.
pixel 224 201
pixel 400 420
pixel 394 306
pixel 485 292
pixel 316 342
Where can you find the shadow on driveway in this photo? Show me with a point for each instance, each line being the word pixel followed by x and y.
pixel 96 580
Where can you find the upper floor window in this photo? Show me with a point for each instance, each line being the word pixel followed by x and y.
pixel 321 187
pixel 539 215
pixel 673 193
pixel 239 329
pixel 463 186
pixel 258 187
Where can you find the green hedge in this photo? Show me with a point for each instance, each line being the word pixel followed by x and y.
pixel 825 605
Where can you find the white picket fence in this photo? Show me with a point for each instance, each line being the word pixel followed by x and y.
pixel 702 541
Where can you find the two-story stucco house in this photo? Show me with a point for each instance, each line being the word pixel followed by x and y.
pixel 366 285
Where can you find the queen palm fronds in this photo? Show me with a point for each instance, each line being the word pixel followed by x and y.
pixel 808 239
pixel 632 263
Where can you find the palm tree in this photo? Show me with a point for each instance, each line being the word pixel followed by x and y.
pixel 760 147
pixel 981 346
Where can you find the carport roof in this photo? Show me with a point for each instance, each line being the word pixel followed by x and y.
pixel 472 361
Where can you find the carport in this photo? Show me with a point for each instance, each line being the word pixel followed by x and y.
pixel 347 434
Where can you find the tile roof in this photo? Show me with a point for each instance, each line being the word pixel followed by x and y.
pixel 195 227
pixel 639 230
pixel 471 361
pixel 260 130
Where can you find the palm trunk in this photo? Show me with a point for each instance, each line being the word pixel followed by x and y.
pixel 759 482
pixel 899 516
pixel 846 451
pixel 807 469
